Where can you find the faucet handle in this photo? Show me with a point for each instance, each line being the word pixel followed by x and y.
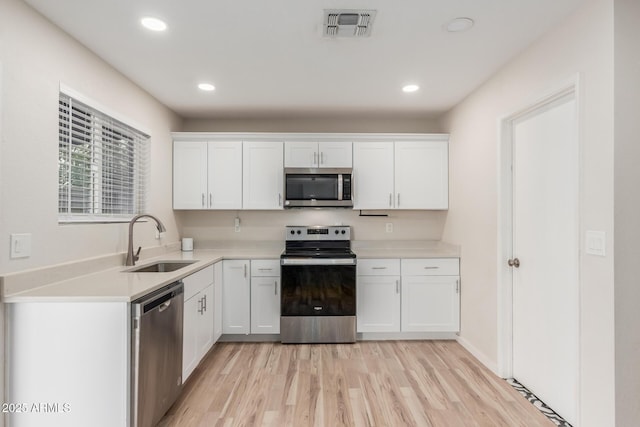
pixel 137 255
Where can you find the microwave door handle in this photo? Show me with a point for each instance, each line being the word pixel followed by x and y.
pixel 340 186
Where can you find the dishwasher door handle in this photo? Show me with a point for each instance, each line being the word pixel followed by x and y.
pixel 164 306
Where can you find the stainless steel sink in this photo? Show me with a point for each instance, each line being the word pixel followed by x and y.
pixel 161 267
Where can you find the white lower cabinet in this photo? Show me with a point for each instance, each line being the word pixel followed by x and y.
pixel 217 301
pixel 430 295
pixel 68 364
pixel 409 295
pixel 378 295
pixel 265 297
pixel 236 292
pixel 199 313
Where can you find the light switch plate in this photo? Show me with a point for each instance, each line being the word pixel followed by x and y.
pixel 595 243
pixel 20 245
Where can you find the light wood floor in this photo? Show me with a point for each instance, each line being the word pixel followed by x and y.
pixel 370 383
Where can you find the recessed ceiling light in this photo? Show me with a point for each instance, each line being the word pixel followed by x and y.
pixel 459 25
pixel 410 88
pixel 206 87
pixel 153 24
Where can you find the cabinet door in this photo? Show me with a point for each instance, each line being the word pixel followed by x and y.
pixel 335 154
pixel 190 357
pixel 378 307
pixel 235 297
pixel 225 175
pixel 430 304
pixel 262 171
pixel 217 298
pixel 300 154
pixel 373 175
pixel 265 305
pixel 189 175
pixel 205 322
pixel 421 175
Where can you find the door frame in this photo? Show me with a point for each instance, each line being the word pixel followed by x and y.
pixel 569 88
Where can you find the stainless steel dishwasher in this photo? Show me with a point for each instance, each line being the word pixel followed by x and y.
pixel 156 353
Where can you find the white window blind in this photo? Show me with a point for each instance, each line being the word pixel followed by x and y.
pixel 102 165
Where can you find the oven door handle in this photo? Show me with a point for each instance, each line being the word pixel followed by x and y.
pixel 318 261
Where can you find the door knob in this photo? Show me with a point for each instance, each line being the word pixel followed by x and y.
pixel 514 263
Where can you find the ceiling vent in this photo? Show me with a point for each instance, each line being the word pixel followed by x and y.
pixel 348 22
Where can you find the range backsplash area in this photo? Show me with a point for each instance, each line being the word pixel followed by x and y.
pixel 269 225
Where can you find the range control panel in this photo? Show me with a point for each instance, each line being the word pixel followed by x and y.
pixel 318 232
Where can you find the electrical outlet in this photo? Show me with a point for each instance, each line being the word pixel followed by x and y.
pixel 389 227
pixel 237 224
pixel 20 245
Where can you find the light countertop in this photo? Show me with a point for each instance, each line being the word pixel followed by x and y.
pixel 404 249
pixel 116 284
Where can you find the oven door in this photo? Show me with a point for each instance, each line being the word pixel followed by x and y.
pixel 318 287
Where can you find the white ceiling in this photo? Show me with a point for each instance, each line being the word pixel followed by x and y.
pixel 268 58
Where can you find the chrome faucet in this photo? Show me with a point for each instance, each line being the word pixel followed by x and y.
pixel 131 258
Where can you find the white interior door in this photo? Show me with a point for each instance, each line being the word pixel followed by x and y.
pixel 545 242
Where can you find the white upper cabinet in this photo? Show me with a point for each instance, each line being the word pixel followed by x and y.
pixel 218 171
pixel 189 175
pixel 373 175
pixel 421 175
pixel 326 154
pixel 300 154
pixel 262 171
pixel 207 175
pixel 225 175
pixel 401 175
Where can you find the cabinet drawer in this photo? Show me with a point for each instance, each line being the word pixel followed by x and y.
pixel 265 267
pixel 378 267
pixel 197 281
pixel 431 267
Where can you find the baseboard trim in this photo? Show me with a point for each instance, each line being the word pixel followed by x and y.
pixel 482 358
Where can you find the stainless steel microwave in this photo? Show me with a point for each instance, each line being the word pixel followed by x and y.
pixel 326 187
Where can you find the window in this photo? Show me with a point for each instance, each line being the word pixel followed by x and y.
pixel 102 165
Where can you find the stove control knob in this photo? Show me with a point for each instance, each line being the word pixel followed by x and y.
pixel 344 232
pixel 293 232
pixel 298 231
pixel 337 231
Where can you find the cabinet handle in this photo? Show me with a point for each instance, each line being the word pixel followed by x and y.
pixel 203 200
pixel 322 157
pixel 378 268
pixel 279 199
pixel 210 199
pixel 200 306
pixel 275 287
pixel 245 270
pixel 390 199
pixel 457 285
pixel 397 286
pixel 204 304
pixel 315 158
pixel 265 269
pixel 432 268
pixel 398 199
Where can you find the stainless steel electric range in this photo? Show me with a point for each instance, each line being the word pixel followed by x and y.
pixel 318 297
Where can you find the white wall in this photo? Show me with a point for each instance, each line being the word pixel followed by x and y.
pixel 582 44
pixel 269 225
pixel 338 124
pixel 627 208
pixel 37 57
